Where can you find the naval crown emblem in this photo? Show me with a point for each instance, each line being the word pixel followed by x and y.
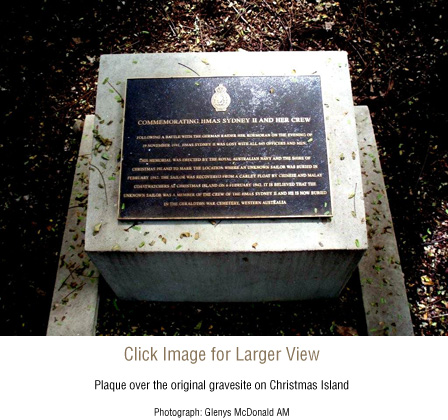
pixel 220 99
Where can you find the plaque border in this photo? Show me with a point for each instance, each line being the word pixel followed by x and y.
pixel 146 219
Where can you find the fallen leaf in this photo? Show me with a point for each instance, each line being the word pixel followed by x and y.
pixel 427 281
pixel 346 331
pixel 97 228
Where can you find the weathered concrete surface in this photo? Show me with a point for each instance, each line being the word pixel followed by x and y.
pixel 384 297
pixel 75 298
pixel 234 260
pixel 382 281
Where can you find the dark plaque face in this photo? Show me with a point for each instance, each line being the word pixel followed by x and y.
pixel 224 147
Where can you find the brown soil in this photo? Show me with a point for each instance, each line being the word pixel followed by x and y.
pixel 50 52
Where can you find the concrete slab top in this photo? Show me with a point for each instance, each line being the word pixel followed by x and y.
pixel 346 230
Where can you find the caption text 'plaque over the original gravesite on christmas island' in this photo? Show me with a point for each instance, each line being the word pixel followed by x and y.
pixel 224 147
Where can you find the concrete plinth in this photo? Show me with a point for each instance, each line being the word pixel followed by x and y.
pixel 231 260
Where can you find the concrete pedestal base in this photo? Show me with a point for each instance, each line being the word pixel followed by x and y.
pixel 227 277
pixel 232 260
pixel 74 307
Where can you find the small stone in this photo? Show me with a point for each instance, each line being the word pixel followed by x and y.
pixel 78 126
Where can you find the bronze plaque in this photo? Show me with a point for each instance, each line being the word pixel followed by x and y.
pixel 224 148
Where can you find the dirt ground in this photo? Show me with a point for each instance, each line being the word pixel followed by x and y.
pixel 48 72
